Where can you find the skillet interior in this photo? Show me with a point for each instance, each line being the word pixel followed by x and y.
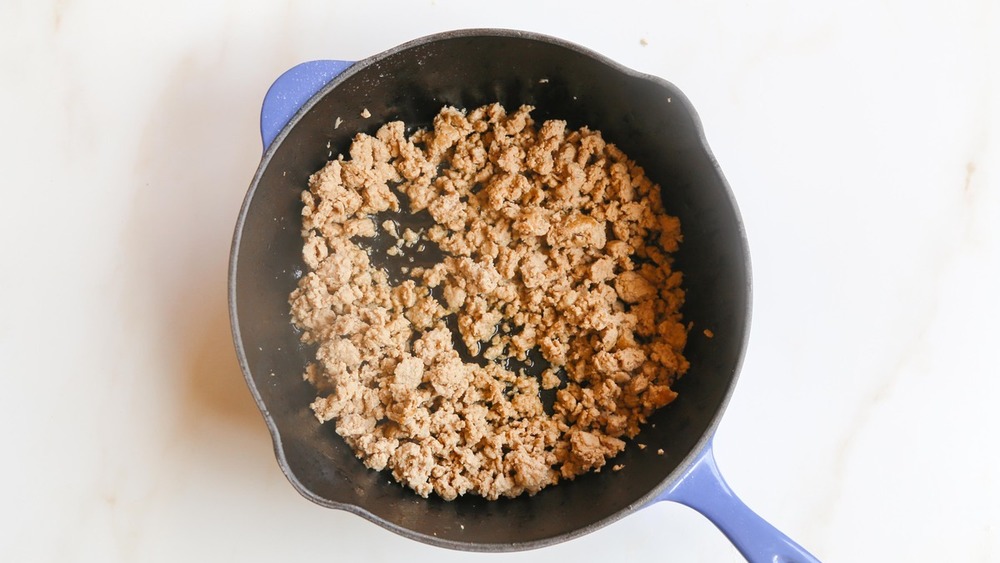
pixel 646 117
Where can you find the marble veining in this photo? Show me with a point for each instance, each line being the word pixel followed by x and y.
pixel 861 143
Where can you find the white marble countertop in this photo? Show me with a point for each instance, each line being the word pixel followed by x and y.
pixel 860 140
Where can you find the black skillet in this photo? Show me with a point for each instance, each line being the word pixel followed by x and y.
pixel 311 114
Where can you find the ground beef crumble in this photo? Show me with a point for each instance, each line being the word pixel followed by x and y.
pixel 554 242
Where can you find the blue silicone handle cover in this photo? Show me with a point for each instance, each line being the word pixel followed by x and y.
pixel 703 489
pixel 291 91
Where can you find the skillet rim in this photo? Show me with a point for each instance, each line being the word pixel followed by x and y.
pixel 657 492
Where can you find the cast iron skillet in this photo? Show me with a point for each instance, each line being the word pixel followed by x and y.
pixel 311 114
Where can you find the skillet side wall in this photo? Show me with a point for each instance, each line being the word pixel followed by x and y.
pixel 647 118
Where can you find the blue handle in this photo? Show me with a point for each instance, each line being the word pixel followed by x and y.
pixel 291 90
pixel 703 489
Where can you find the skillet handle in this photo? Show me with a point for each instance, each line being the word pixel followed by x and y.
pixel 703 489
pixel 291 91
